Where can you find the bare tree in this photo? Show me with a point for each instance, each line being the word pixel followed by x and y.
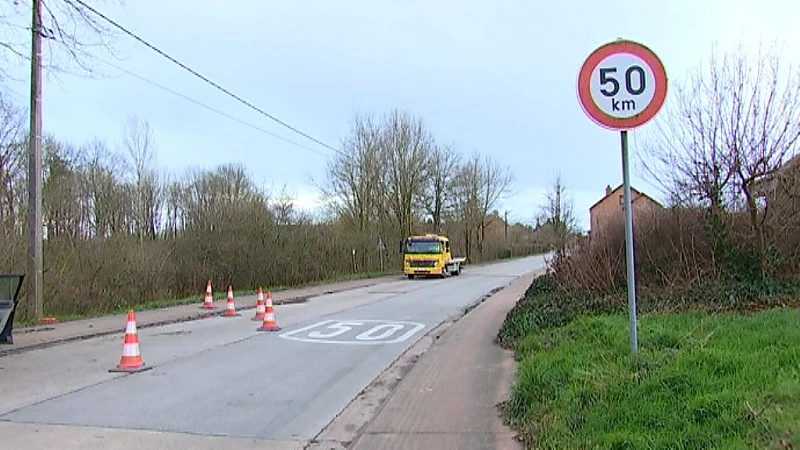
pixel 406 144
pixel 12 153
pixel 72 31
pixel 353 175
pixel 173 201
pixel 728 129
pixel 495 184
pixel 105 193
pixel 283 207
pixel 467 199
pixel 64 209
pixel 688 156
pixel 140 147
pixel 441 171
pixel 558 211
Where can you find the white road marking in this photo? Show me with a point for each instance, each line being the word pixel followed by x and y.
pixel 356 332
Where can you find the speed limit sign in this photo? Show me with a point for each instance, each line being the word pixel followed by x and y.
pixel 622 85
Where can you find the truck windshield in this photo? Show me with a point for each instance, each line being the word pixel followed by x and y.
pixel 420 247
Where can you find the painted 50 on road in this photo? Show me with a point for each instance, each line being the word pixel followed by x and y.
pixel 356 332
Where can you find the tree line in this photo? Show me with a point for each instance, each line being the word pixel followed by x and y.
pixel 119 230
pixel 392 178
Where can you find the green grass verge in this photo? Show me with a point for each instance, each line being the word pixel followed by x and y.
pixel 546 304
pixel 701 381
pixel 198 298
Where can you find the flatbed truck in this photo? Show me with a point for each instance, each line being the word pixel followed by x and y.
pixel 430 255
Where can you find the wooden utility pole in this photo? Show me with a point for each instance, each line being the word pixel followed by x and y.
pixel 510 248
pixel 505 220
pixel 34 275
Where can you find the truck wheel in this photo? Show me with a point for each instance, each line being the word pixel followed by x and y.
pixel 411 276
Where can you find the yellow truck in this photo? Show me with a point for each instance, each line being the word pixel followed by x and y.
pixel 429 255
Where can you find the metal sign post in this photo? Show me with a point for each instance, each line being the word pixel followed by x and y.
pixel 621 86
pixel 626 181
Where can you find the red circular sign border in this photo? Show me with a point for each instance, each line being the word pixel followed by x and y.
pixel 584 83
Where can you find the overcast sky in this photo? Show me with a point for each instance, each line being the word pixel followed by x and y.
pixel 494 76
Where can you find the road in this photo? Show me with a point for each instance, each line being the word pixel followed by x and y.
pixel 220 377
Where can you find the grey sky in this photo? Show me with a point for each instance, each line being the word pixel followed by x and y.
pixel 494 76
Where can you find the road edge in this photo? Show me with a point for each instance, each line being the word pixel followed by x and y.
pixel 199 315
pixel 348 424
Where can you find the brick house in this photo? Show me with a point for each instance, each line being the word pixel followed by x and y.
pixel 610 208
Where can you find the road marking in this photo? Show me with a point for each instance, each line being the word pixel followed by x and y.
pixel 356 332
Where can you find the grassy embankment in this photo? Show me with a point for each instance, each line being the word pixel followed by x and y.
pixel 715 374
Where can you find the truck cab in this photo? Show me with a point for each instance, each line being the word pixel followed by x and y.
pixel 429 255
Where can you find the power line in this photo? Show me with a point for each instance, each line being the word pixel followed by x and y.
pixel 195 73
pixel 196 102
pixel 211 108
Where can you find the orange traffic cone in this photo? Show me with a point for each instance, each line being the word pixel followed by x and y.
pixel 208 301
pixel 269 324
pixel 260 306
pixel 230 308
pixel 131 360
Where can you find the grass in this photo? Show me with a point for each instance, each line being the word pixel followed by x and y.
pixel 547 304
pixel 166 303
pixel 701 380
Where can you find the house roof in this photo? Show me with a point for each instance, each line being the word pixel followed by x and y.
pixel 763 183
pixel 793 160
pixel 640 193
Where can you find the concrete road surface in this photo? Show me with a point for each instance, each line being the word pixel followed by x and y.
pixel 220 377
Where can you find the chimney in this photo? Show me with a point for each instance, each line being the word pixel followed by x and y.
pixel 608 190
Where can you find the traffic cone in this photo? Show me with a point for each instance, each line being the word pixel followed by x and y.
pixel 131 360
pixel 269 324
pixel 260 306
pixel 230 308
pixel 208 301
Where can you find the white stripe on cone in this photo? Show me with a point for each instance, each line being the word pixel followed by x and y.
pixel 130 350
pixel 130 328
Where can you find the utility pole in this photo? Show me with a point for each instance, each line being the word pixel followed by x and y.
pixel 506 224
pixel 35 284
